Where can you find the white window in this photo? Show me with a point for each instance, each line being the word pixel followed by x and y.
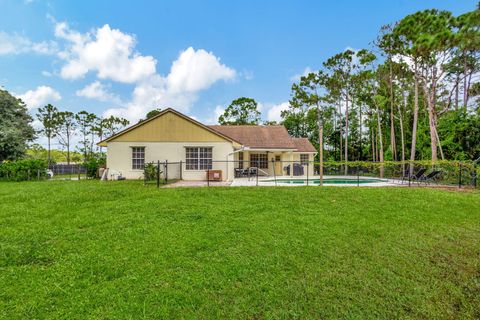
pixel 138 158
pixel 259 160
pixel 304 158
pixel 198 158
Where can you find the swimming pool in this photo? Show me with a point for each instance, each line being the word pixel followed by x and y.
pixel 326 181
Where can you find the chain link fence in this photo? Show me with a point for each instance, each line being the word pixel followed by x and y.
pixel 279 173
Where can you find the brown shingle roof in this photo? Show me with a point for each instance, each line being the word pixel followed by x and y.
pixel 268 137
pixel 303 145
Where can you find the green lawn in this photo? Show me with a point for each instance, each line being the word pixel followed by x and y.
pixel 119 250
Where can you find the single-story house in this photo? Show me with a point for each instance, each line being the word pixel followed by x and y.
pixel 174 137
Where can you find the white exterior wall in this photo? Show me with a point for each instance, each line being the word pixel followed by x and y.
pixel 119 158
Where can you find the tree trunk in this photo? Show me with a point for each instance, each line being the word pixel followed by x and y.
pixel 49 156
pixel 380 140
pixel 346 135
pixel 457 91
pixel 465 90
pixel 430 94
pixel 392 121
pixel 372 136
pixel 402 134
pixel 320 144
pixel 415 121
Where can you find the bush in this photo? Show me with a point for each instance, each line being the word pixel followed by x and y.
pixel 150 171
pixel 92 164
pixel 21 170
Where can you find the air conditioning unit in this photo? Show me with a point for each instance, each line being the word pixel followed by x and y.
pixel 214 175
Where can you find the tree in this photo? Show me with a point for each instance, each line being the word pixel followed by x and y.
pixel 242 111
pixel 86 122
pixel 47 115
pixel 153 113
pixel 65 130
pixel 15 127
pixel 112 125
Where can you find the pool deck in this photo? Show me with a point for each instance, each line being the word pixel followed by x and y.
pixel 267 182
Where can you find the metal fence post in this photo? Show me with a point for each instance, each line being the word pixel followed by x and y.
pixel 358 176
pixel 158 173
pixel 274 173
pixel 459 175
pixel 166 171
pixel 181 169
pixel 208 177
pixel 307 170
pixel 257 172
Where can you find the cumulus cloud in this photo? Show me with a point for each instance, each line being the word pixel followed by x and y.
pixel 39 97
pixel 17 44
pixel 108 52
pixel 213 118
pixel 274 112
pixel 192 72
pixel 97 90
pixel 195 70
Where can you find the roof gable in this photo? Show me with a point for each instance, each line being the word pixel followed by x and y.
pixel 168 126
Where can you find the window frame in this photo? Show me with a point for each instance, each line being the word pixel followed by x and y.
pixel 198 158
pixel 259 163
pixel 240 160
pixel 304 162
pixel 138 155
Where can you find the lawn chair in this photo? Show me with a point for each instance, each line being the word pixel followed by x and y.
pixel 419 176
pixel 431 177
pixel 240 173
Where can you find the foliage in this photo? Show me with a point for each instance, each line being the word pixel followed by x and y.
pixel 242 111
pixel 25 169
pixel 15 127
pixel 36 151
pixel 404 103
pixel 93 163
pixel 118 250
pixel 150 171
pixel 47 116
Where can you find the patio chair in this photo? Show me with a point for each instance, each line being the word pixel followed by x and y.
pixel 239 172
pixel 431 177
pixel 414 177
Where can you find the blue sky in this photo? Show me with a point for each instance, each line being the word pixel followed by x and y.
pixel 127 57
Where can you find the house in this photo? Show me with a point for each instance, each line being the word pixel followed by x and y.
pixel 191 148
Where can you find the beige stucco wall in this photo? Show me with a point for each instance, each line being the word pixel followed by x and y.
pixel 119 158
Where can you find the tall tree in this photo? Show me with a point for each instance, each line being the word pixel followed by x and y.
pixel 15 127
pixel 86 123
pixel 47 115
pixel 242 111
pixel 65 130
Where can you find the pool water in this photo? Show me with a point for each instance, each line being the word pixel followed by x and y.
pixel 327 181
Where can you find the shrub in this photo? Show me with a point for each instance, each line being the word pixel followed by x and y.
pixel 150 171
pixel 92 164
pixel 21 170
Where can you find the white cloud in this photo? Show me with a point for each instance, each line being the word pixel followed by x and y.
pixel 192 72
pixel 305 72
pixel 274 112
pixel 46 73
pixel 17 44
pixel 196 70
pixel 39 97
pixel 108 52
pixel 97 90
pixel 213 119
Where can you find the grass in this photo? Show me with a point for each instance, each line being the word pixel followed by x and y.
pixel 119 250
